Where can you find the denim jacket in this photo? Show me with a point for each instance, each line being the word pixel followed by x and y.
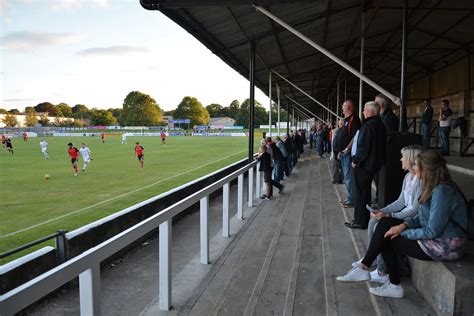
pixel 442 215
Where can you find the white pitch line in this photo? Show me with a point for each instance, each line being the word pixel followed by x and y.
pixel 113 198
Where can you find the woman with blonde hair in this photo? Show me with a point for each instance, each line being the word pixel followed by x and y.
pixel 436 233
pixel 405 206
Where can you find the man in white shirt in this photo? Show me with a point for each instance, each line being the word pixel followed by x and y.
pixel 44 147
pixel 85 153
pixel 124 139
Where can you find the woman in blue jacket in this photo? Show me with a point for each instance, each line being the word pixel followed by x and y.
pixel 437 232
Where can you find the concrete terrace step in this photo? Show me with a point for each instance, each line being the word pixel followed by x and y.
pixel 287 259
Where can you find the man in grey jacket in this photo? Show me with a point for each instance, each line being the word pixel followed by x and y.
pixel 284 152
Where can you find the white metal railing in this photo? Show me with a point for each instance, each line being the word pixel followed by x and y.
pixel 87 264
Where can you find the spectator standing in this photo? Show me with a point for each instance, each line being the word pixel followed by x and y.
pixel 319 140
pixel 277 159
pixel 311 137
pixel 284 164
pixel 289 160
pixel 426 118
pixel 445 114
pixel 351 126
pixel 389 119
pixel 294 147
pixel 337 175
pixel 368 159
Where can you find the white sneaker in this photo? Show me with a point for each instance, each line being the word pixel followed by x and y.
pixel 388 290
pixel 356 263
pixel 376 277
pixel 354 275
pixel 75 174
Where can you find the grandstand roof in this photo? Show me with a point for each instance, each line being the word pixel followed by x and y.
pixel 440 32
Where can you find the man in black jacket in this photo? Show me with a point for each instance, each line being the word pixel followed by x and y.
pixel 389 119
pixel 367 159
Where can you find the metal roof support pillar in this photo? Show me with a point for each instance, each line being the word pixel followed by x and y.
pixel 287 118
pixel 270 106
pixel 302 91
pixel 302 107
pixel 278 120
pixel 403 113
pixel 293 117
pixel 333 57
pixel 337 99
pixel 345 87
pixel 252 99
pixel 361 83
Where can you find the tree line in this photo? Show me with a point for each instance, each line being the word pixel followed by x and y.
pixel 140 109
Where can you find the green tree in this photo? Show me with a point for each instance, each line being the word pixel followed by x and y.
pixel 46 107
pixel 43 120
pixel 64 109
pixel 232 110
pixel 170 112
pixel 103 118
pixel 116 112
pixel 30 117
pixel 14 111
pixel 191 108
pixel 3 111
pixel 215 110
pixel 9 120
pixel 140 109
pixel 261 115
pixel 80 111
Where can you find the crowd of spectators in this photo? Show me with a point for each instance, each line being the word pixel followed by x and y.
pixel 429 220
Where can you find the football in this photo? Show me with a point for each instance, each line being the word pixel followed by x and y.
pixel 46 176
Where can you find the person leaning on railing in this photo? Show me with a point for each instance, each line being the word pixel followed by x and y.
pixel 436 233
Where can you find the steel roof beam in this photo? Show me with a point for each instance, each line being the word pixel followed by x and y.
pixel 336 59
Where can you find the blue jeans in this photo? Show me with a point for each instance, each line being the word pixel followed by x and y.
pixel 319 145
pixel 346 170
pixel 444 136
pixel 277 172
pixel 425 135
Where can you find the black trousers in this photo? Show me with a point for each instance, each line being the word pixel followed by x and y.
pixel 361 194
pixel 389 248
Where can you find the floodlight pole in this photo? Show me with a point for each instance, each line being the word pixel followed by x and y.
pixel 304 92
pixel 252 99
pixel 333 57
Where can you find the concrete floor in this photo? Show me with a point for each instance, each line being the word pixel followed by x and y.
pixel 281 259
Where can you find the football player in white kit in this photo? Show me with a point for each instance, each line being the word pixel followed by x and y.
pixel 85 153
pixel 44 147
pixel 124 139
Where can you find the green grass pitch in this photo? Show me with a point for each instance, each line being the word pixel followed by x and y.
pixel 32 207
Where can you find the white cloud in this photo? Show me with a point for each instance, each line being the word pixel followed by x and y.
pixel 150 68
pixel 25 41
pixel 111 51
pixel 61 5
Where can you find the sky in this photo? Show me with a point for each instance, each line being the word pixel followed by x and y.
pixel 95 52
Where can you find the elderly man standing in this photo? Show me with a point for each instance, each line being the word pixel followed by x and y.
pixel 426 118
pixel 368 159
pixel 389 119
pixel 347 132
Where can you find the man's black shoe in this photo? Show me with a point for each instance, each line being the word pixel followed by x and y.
pixel 281 189
pixel 353 225
pixel 347 205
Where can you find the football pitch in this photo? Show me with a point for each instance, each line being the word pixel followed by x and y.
pixel 32 207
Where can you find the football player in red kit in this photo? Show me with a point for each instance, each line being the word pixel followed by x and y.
pixel 74 155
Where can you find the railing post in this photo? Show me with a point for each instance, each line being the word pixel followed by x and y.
pixel 165 265
pixel 225 211
pixel 250 202
pixel 89 291
pixel 204 203
pixel 61 246
pixel 258 184
pixel 240 197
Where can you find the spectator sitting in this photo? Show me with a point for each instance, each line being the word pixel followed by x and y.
pixel 405 206
pixel 436 233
